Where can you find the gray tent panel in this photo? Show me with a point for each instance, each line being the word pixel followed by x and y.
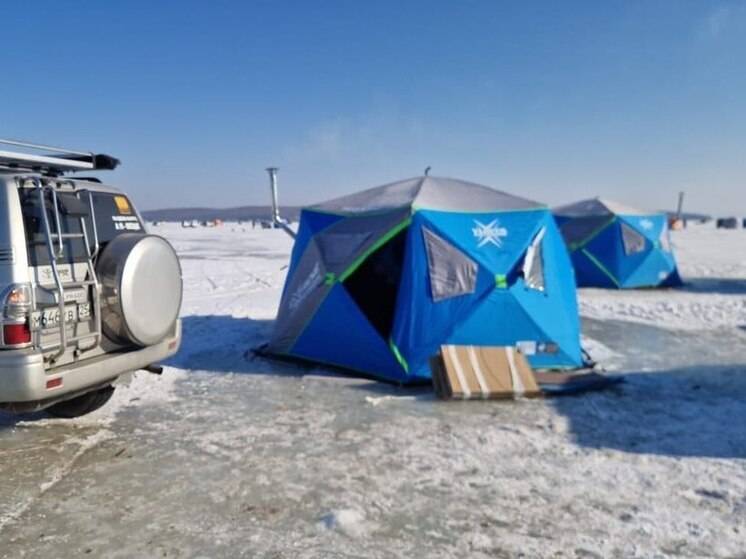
pixel 597 206
pixel 327 255
pixel 449 194
pixel 337 248
pixel 579 230
pixel 451 272
pixel 634 242
pixel 303 295
pixel 434 193
pixel 584 208
pixel 389 196
pixel 621 209
pixel 342 243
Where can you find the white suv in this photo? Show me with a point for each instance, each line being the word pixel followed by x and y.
pixel 85 293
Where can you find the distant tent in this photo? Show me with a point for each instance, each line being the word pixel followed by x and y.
pixel 614 246
pixel 378 280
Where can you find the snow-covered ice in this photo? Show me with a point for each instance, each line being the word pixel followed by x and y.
pixel 228 456
pixel 713 264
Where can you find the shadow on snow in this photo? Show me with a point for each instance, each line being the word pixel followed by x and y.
pixel 679 411
pixel 689 398
pixel 689 411
pixel 721 286
pixel 697 411
pixel 223 344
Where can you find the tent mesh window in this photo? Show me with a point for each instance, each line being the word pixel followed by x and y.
pixel 633 241
pixel 451 272
pixel 374 286
pixel 578 231
pixel 533 265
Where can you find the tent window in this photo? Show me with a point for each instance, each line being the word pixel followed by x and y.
pixel 533 263
pixel 374 286
pixel 336 248
pixel 579 230
pixel 633 241
pixel 451 272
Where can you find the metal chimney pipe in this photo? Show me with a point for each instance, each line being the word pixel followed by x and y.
pixel 681 205
pixel 273 188
pixel 277 221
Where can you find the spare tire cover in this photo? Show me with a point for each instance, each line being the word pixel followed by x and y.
pixel 140 276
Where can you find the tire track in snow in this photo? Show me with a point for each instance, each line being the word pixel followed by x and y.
pixel 86 444
pixel 209 279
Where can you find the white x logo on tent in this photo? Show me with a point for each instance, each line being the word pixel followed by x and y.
pixel 490 233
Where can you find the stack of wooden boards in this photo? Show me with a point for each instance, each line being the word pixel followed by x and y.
pixel 482 373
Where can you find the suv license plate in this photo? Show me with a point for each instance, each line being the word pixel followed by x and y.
pixel 50 318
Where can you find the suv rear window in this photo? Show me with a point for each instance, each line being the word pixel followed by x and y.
pixel 114 215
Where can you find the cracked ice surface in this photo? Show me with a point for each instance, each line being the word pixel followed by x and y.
pixel 228 457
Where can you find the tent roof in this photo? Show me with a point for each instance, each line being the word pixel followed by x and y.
pixel 433 193
pixel 598 206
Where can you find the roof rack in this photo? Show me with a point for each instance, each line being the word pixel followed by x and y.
pixel 50 160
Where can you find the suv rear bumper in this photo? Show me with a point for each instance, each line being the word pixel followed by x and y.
pixel 24 379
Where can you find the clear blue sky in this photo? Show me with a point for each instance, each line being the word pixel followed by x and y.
pixel 550 100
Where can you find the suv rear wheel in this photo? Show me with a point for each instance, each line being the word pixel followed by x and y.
pixel 81 405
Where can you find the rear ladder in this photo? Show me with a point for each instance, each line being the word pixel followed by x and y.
pixel 55 247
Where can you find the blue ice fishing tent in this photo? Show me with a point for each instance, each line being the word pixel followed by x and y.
pixel 379 280
pixel 615 246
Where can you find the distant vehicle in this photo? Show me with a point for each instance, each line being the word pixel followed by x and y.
pixel 212 223
pixel 269 225
pixel 86 293
pixel 726 223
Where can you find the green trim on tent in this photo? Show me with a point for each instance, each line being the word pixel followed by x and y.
pixel 323 212
pixel 330 278
pixel 601 267
pixel 501 281
pixel 374 247
pixel 399 356
pixel 575 246
pixel 355 265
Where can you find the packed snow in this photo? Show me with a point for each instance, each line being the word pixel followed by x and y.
pixel 225 455
pixel 713 264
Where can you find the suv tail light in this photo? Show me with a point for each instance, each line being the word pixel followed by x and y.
pixel 16 334
pixel 16 310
